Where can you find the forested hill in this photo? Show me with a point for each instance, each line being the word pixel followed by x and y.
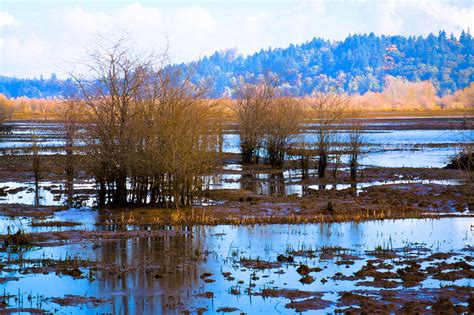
pixel 32 88
pixel 358 64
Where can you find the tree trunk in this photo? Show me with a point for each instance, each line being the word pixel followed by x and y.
pixel 322 165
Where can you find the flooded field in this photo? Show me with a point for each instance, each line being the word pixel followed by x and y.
pixel 395 143
pixel 259 240
pixel 251 269
pixel 398 148
pixel 387 144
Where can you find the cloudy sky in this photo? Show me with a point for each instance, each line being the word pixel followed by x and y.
pixel 44 36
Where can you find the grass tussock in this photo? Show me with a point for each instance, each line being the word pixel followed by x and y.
pixel 18 239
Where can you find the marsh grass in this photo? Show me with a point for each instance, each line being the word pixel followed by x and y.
pixel 16 241
pixel 202 216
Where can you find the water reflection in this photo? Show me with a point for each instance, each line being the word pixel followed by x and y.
pixel 162 273
pixel 152 268
pixel 48 193
pixel 272 184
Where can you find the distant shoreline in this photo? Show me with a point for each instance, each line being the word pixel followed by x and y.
pixel 402 114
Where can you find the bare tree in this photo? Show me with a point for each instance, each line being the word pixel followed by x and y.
pixel 464 161
pixel 183 142
pixel 328 109
pixel 71 122
pixel 305 154
pixel 110 96
pixel 282 125
pixel 36 164
pixel 337 153
pixel 252 106
pixel 355 142
pixel 219 122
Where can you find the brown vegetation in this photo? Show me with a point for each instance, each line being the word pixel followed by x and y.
pixel 328 111
pixel 398 96
pixel 267 121
pixel 150 134
pixel 252 106
pixel 403 95
pixel 283 123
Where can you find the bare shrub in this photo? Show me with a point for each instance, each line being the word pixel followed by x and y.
pixel 282 125
pixel 150 135
pixel 328 112
pixel 252 107
pixel 355 142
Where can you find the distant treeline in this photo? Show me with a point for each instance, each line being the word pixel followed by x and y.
pixel 397 95
pixel 33 88
pixel 357 65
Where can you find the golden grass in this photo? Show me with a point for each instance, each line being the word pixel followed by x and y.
pixel 202 216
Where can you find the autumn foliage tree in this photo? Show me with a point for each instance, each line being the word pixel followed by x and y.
pixel 5 109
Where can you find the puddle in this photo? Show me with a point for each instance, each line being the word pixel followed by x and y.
pixel 49 193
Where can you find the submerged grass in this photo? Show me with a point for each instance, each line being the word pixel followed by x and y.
pixel 18 241
pixel 204 217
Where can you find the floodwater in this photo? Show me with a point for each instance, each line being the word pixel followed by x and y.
pixel 386 147
pixel 162 274
pixel 83 193
pixel 397 148
pixel 282 184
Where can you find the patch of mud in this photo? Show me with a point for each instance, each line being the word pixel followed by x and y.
pixel 74 300
pixel 315 303
pixel 26 310
pixel 54 223
pixel 259 264
pixel 227 310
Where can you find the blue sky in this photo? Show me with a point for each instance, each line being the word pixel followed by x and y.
pixel 41 37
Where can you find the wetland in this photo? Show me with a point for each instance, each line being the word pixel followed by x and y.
pixel 257 239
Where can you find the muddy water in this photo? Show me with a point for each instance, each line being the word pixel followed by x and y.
pixel 162 274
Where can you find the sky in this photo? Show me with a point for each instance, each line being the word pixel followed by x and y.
pixel 48 36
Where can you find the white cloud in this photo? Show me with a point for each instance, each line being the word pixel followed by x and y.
pixel 47 35
pixel 458 18
pixel 6 19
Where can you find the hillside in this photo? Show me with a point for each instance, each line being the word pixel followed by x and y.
pixel 356 65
